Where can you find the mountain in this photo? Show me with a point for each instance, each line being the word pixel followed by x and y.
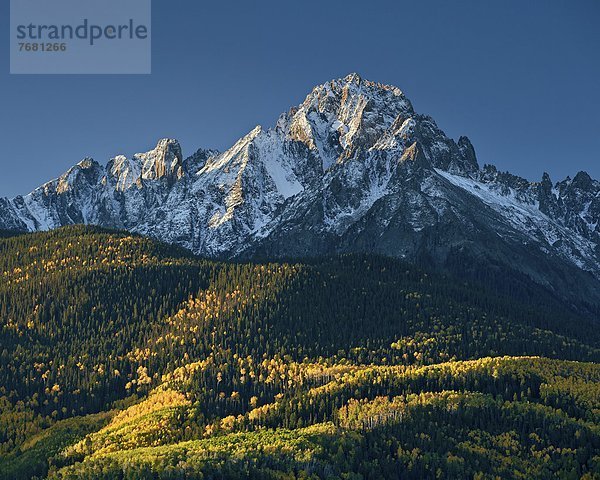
pixel 346 295
pixel 352 169
pixel 123 357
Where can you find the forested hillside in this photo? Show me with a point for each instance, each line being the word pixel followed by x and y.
pixel 125 358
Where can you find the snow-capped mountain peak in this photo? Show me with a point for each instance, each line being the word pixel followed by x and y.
pixel 353 168
pixel 164 161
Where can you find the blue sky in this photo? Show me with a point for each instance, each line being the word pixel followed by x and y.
pixel 521 79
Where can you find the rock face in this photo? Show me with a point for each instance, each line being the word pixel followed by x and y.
pixel 352 169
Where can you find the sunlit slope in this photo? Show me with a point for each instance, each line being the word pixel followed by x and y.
pixel 508 417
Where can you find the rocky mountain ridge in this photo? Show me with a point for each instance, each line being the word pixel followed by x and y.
pixel 352 169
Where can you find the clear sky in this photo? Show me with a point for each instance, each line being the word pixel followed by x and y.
pixel 520 78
